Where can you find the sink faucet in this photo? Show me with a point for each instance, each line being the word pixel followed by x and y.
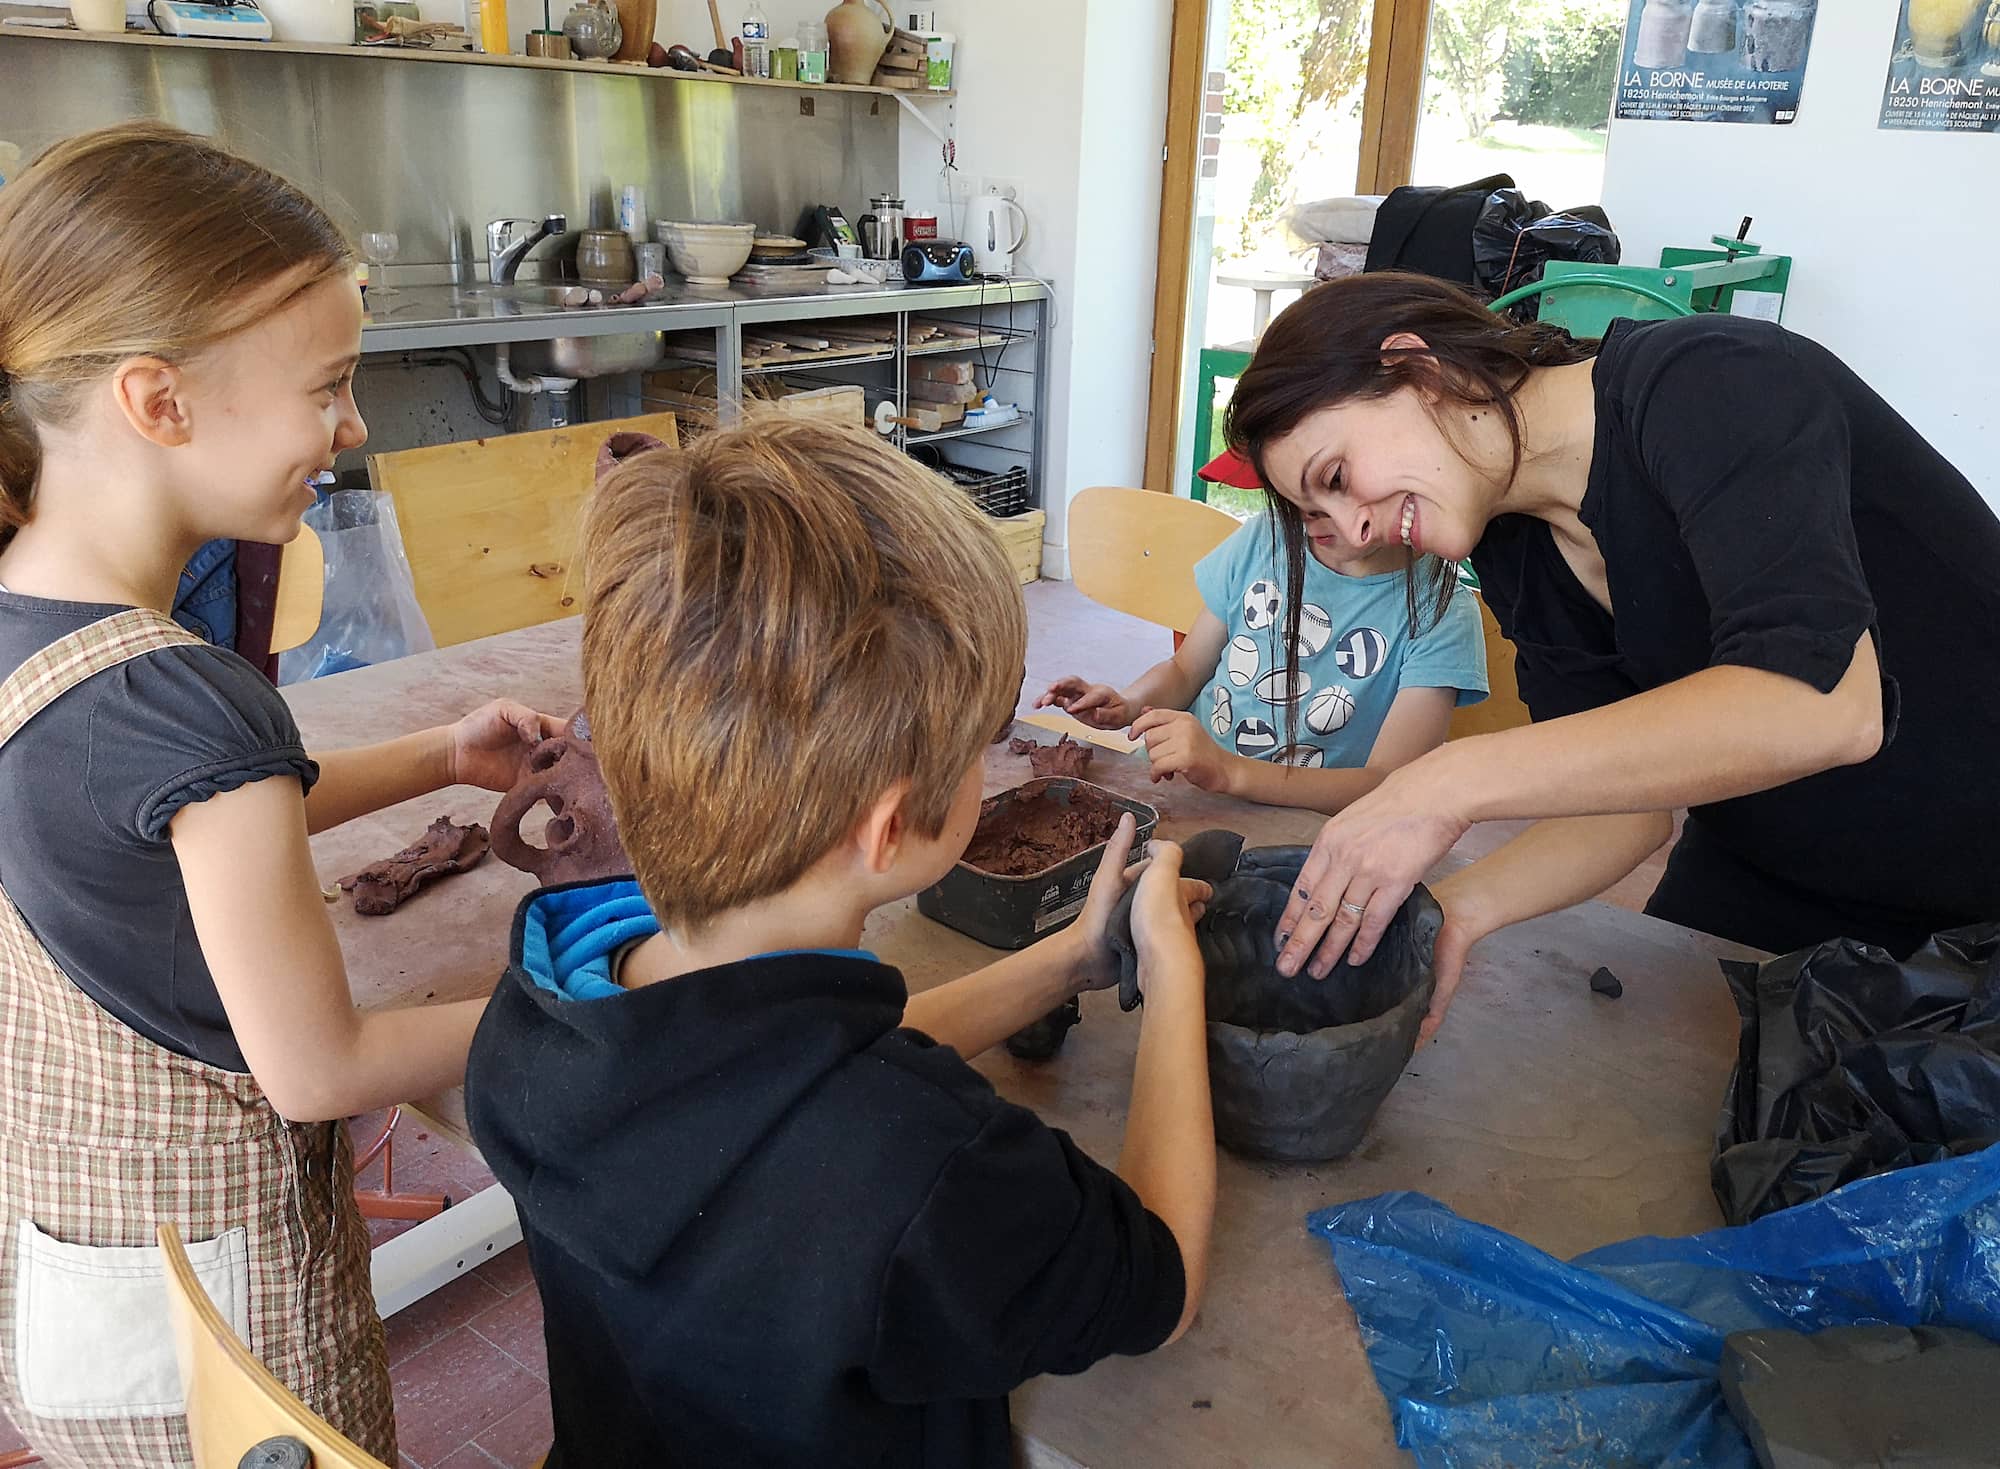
pixel 508 242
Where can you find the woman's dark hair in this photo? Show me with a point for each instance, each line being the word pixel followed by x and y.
pixel 1327 349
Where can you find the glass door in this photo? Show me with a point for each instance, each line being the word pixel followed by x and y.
pixel 1280 124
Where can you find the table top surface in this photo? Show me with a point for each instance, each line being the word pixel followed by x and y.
pixel 1542 1109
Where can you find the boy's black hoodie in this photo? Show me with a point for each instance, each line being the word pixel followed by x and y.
pixel 772 1228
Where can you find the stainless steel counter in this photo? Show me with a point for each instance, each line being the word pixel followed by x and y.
pixel 416 318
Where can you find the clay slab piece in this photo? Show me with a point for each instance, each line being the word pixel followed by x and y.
pixel 582 835
pixel 1865 1395
pixel 380 887
pixel 1017 837
pixel 1605 983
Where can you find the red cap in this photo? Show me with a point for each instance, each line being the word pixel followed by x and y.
pixel 1231 468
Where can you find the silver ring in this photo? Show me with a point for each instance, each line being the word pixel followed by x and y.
pixel 1357 909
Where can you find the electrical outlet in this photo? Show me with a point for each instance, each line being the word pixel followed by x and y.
pixel 1001 188
pixel 957 186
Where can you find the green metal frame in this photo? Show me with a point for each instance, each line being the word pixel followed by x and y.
pixel 1583 299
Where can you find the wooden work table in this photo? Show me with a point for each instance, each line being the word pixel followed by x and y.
pixel 1543 1109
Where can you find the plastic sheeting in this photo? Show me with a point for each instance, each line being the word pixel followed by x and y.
pixel 1492 1353
pixel 1852 1063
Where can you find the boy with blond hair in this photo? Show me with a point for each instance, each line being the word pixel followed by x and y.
pixel 775 1217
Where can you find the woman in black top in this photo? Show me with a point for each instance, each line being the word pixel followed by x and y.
pixel 1737 580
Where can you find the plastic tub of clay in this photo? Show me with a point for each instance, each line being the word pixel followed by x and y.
pixel 1297 1067
pixel 1028 867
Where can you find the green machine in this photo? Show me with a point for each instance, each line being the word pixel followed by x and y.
pixel 1734 276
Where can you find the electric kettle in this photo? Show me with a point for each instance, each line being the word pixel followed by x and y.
pixel 995 228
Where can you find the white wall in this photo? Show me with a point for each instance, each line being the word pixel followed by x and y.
pixel 1894 235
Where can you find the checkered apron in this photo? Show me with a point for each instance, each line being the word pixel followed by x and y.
pixel 104 1135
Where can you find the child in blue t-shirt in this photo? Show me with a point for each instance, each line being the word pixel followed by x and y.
pixel 1364 693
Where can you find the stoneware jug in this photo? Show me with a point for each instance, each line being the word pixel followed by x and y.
pixel 857 40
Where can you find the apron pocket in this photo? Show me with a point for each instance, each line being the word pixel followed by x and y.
pixel 92 1335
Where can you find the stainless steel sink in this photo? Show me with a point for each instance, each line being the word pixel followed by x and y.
pixel 578 357
pixel 590 356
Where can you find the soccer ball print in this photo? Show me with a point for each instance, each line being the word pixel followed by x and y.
pixel 1262 604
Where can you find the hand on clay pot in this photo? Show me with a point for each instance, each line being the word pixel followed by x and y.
pixel 1365 862
pixel 491 745
pixel 1179 744
pixel 1096 704
pixel 1096 961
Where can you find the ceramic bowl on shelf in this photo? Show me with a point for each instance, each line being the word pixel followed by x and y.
pixel 707 252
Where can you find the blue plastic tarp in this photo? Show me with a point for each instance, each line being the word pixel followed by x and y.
pixel 1492 1353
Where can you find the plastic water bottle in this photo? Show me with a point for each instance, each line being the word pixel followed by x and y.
pixel 756 42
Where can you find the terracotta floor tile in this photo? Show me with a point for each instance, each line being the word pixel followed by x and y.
pixel 515 1327
pixel 519 1440
pixel 508 1272
pixel 454 1390
pixel 467 1456
pixel 437 1315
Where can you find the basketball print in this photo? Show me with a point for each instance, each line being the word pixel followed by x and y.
pixel 1330 709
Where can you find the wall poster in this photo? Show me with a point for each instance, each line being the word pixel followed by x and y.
pixel 1716 60
pixel 1944 73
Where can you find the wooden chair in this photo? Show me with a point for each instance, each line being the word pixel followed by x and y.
pixel 301 594
pixel 233 1401
pixel 1134 551
pixel 490 526
pixel 1502 708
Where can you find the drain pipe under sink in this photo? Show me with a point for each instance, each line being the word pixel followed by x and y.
pixel 558 388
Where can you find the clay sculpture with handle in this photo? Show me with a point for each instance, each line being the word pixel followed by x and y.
pixel 582 834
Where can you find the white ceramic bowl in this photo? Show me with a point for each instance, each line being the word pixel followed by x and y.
pixel 707 252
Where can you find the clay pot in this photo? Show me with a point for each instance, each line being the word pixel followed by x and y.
pixel 857 40
pixel 1297 1067
pixel 582 835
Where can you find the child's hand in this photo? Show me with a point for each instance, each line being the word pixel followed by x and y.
pixel 490 746
pixel 1097 961
pixel 1096 704
pixel 1164 913
pixel 1178 744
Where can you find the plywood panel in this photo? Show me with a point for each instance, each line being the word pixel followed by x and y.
pixel 491 525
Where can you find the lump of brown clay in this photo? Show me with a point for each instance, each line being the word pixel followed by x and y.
pixel 1066 757
pixel 582 835
pixel 443 849
pixel 1021 835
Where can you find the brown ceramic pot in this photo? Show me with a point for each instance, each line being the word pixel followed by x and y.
pixel 856 40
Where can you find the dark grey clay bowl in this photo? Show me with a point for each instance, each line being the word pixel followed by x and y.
pixel 1297 1067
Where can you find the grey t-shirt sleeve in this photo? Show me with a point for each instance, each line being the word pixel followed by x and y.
pixel 178 726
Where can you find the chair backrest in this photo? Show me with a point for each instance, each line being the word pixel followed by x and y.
pixel 1502 707
pixel 1135 550
pixel 490 526
pixel 301 594
pixel 233 1401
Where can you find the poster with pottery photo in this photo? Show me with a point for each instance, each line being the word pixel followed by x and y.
pixel 1944 74
pixel 1716 60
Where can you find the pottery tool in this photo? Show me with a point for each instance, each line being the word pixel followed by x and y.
pixel 721 55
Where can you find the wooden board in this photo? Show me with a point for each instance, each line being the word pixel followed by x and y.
pixel 490 525
pixel 301 594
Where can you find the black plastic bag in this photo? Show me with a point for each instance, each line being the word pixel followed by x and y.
pixel 1516 236
pixel 1852 1064
pixel 1429 230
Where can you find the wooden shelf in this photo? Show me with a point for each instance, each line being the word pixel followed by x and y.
pixel 451 58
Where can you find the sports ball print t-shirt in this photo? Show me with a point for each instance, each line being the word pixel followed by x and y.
pixel 1355 654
